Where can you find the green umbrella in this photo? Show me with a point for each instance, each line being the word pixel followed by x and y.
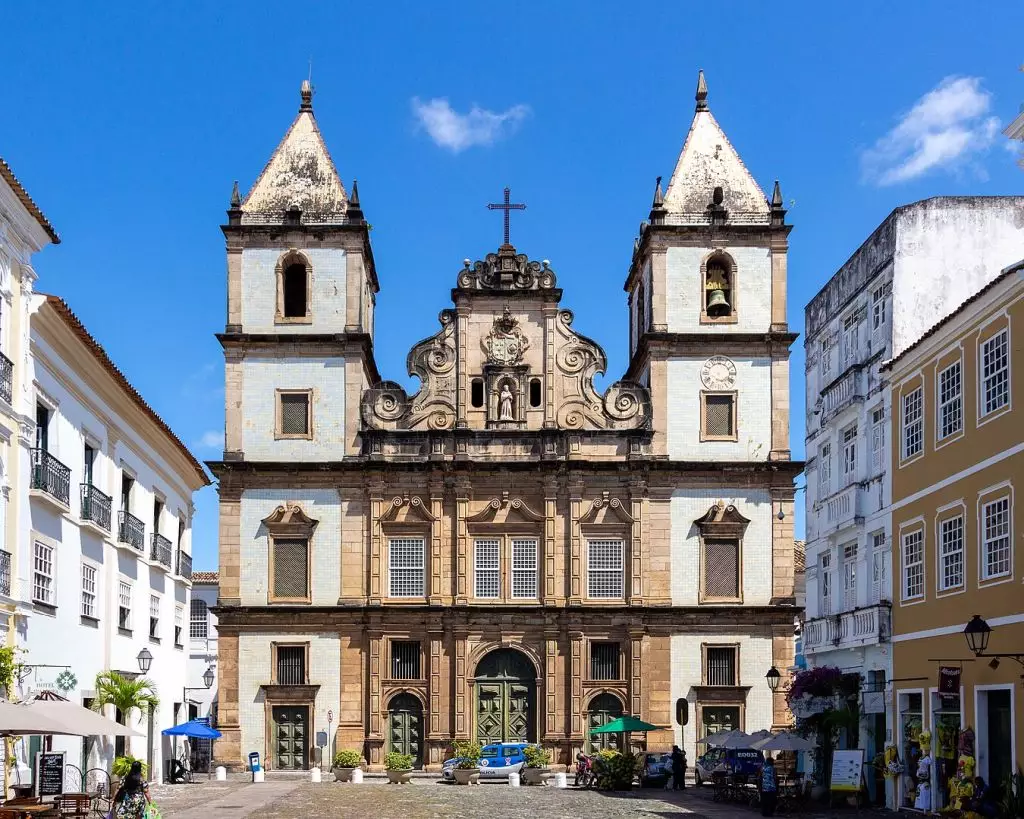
pixel 623 725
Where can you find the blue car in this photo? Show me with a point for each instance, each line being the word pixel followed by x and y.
pixel 497 761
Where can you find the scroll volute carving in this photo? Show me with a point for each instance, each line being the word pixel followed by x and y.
pixel 290 520
pixel 721 521
pixel 605 511
pixel 506 509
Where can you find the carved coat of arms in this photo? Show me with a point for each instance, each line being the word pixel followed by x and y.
pixel 506 343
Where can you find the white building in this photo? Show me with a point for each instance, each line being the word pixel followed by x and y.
pixel 98 520
pixel 202 659
pixel 920 263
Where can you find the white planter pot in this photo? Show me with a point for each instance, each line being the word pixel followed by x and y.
pixel 466 776
pixel 399 777
pixel 343 774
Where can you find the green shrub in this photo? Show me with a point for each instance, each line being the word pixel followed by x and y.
pixel 536 757
pixel 395 761
pixel 123 766
pixel 468 753
pixel 348 759
pixel 1011 805
pixel 615 771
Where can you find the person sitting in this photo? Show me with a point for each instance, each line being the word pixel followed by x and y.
pixel 983 801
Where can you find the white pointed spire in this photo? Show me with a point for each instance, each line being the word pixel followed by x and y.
pixel 300 174
pixel 709 161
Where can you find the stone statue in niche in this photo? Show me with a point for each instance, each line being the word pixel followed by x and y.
pixel 505 403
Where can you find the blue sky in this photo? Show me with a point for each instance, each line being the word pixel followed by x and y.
pixel 129 122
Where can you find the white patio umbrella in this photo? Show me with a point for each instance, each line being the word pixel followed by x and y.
pixel 19 718
pixel 710 739
pixel 784 741
pixel 764 733
pixel 737 739
pixel 80 721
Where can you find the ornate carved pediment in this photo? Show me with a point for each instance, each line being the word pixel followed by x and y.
pixel 506 270
pixel 722 521
pixel 505 343
pixel 290 520
pixel 506 510
pixel 606 510
pixel 407 509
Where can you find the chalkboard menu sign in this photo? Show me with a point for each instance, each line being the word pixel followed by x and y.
pixel 49 773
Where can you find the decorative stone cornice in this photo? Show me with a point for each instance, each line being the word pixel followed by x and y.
pixel 511 507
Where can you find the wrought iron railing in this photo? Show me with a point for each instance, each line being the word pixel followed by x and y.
pixel 184 565
pixel 96 506
pixel 161 550
pixel 131 530
pixel 5 573
pixel 51 476
pixel 6 378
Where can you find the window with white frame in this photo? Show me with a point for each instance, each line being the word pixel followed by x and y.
pixel 43 575
pixel 849 576
pixel 995 372
pixel 825 470
pixel 524 569
pixel 405 564
pixel 951 402
pixel 995 541
pixel 179 625
pixel 487 568
pixel 88 590
pixel 124 605
pixel 154 617
pixel 879 567
pixel 825 582
pixel 825 359
pixel 913 565
pixel 951 553
pixel 913 423
pixel 850 454
pixel 199 621
pixel 605 569
pixel 851 339
pixel 878 440
pixel 878 308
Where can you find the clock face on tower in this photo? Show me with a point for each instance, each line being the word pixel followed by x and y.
pixel 718 373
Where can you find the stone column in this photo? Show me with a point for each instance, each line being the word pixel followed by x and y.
pixel 783 651
pixel 638 545
pixel 462 490
pixel 375 491
pixel 783 545
pixel 437 594
pixel 461 375
pixel 550 314
pixel 461 694
pixel 229 592
pixel 576 653
pixel 636 670
pixel 780 406
pixel 228 749
pixel 779 247
pixel 438 722
pixel 234 250
pixel 659 292
pixel 551 729
pixel 355 278
pixel 375 734
pixel 352 727
pixel 575 541
pixel 553 591
pixel 233 383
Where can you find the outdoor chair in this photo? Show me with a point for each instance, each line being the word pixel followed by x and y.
pixel 74 805
pixel 719 786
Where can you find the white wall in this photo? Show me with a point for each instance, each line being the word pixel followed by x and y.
pixel 323 505
pixel 755 658
pixel 684 290
pixel 261 377
pixel 689 504
pixel 259 291
pixel 753 411
pixel 202 653
pixel 254 657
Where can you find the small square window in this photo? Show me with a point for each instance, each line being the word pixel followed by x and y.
pixel 718 418
pixel 405 660
pixel 294 419
pixel 604 661
pixel 720 665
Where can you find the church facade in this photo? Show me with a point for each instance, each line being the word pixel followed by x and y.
pixel 506 554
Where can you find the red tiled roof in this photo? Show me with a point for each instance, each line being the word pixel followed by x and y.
pixel 76 327
pixel 26 200
pixel 205 577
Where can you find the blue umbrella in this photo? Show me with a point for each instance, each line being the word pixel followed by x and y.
pixel 195 728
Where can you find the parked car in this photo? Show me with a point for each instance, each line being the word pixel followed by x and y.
pixel 497 761
pixel 655 770
pixel 735 760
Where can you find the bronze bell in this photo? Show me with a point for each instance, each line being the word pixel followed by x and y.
pixel 717 304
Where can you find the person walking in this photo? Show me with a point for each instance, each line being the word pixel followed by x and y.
pixel 769 787
pixel 678 769
pixel 132 797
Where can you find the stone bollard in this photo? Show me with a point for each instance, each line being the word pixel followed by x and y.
pixel 357 776
pixel 314 775
pixel 560 780
pixel 222 773
pixel 513 780
pixel 259 776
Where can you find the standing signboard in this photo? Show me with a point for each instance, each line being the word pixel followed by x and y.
pixel 49 778
pixel 847 772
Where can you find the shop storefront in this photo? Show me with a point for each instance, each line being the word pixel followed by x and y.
pixel 910 725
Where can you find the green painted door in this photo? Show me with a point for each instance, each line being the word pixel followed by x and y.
pixel 505 698
pixel 291 723
pixel 405 727
pixel 603 709
pixel 722 718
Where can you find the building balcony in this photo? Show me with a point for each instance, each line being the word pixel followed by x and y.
pixel 50 478
pixel 161 551
pixel 132 531
pixel 184 565
pixel 96 507
pixel 6 378
pixel 842 393
pixel 5 573
pixel 866 626
pixel 845 508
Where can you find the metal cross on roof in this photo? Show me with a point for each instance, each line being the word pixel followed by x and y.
pixel 507 206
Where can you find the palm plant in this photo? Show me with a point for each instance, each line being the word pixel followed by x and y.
pixel 126 694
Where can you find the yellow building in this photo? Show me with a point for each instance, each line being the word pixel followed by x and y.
pixel 958 460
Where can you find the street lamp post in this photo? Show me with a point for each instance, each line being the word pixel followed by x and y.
pixel 977 633
pixel 773 678
pixel 145 660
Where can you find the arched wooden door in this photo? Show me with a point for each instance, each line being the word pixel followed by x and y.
pixel 405 727
pixel 506 698
pixel 602 710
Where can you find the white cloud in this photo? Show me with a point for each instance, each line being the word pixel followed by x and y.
pixel 948 127
pixel 456 132
pixel 212 439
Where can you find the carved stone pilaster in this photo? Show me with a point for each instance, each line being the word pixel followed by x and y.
pixel 554 591
pixel 576 691
pixel 637 638
pixel 575 541
pixel 638 546
pixel 436 594
pixel 462 693
pixel 462 490
pixel 375 492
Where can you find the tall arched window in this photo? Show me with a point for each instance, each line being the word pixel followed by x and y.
pixel 293 278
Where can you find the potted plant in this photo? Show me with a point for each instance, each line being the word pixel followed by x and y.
pixel 467 769
pixel 536 769
pixel 399 767
pixel 344 763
